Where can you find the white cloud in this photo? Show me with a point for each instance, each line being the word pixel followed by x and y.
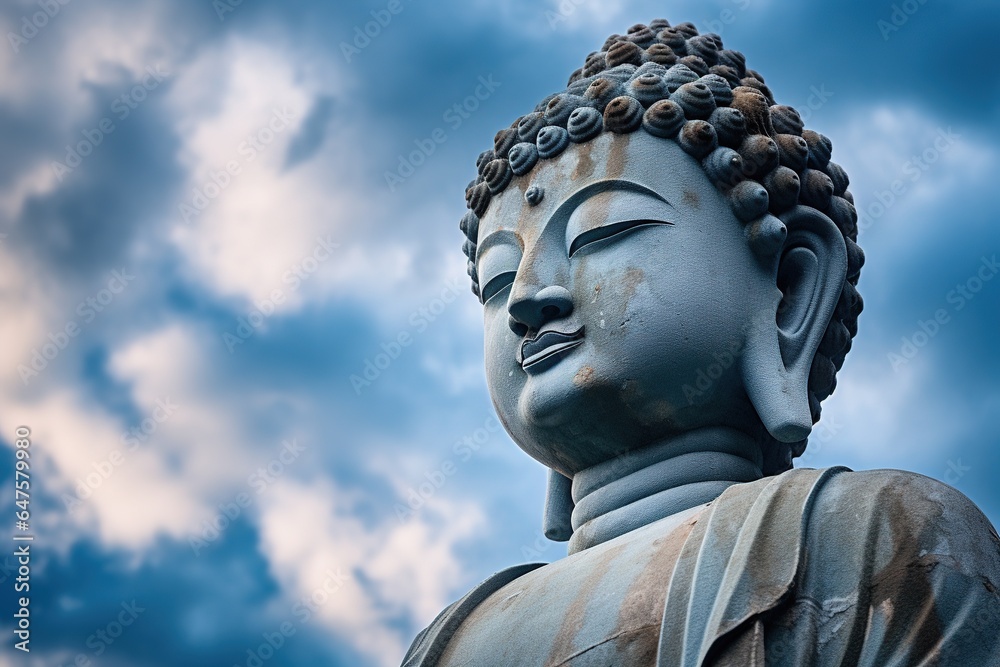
pixel 84 45
pixel 202 436
pixel 247 239
pixel 554 16
pixel 410 569
pixel 131 489
pixel 238 249
pixel 257 223
pixel 930 162
pixel 880 417
pixel 28 294
pixel 36 181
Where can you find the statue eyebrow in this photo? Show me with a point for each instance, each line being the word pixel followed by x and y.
pixel 566 209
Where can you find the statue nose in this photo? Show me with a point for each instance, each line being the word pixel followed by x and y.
pixel 532 309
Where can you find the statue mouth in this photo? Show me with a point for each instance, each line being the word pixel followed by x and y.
pixel 547 347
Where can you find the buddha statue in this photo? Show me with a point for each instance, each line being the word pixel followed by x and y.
pixel 667 263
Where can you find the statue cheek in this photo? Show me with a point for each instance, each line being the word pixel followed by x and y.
pixel 504 376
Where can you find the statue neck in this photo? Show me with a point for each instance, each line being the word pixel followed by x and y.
pixel 648 484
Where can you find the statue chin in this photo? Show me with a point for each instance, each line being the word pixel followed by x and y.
pixel 548 401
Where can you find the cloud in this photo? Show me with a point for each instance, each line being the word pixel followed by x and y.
pixel 312 133
pixel 128 482
pixel 902 162
pixel 244 221
pixel 245 232
pixel 311 533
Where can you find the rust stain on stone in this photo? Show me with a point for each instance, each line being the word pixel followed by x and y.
pixel 585 161
pixel 643 604
pixel 527 273
pixel 633 278
pixel 522 183
pixel 573 622
pixel 906 584
pixel 617 155
pixel 583 376
pixel 599 208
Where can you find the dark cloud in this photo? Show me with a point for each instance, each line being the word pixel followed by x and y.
pixel 128 178
pixel 310 138
pixel 206 610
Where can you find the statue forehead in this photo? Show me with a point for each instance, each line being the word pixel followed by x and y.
pixel 658 164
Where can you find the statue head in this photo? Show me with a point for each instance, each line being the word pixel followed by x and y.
pixel 659 248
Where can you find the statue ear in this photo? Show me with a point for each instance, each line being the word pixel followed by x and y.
pixel 558 508
pixel 808 270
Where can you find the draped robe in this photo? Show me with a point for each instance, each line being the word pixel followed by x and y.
pixel 810 567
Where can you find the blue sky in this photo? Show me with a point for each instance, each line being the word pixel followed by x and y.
pixel 229 252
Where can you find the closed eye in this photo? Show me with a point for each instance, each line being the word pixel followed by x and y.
pixel 497 285
pixel 609 231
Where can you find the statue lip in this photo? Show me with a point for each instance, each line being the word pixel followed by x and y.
pixel 546 345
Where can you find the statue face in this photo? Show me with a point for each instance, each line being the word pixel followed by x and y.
pixel 617 307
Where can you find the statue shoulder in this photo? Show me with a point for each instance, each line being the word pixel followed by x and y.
pixel 895 516
pixel 428 646
pixel 895 568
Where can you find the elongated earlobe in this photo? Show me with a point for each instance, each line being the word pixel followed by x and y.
pixel 809 274
pixel 558 508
